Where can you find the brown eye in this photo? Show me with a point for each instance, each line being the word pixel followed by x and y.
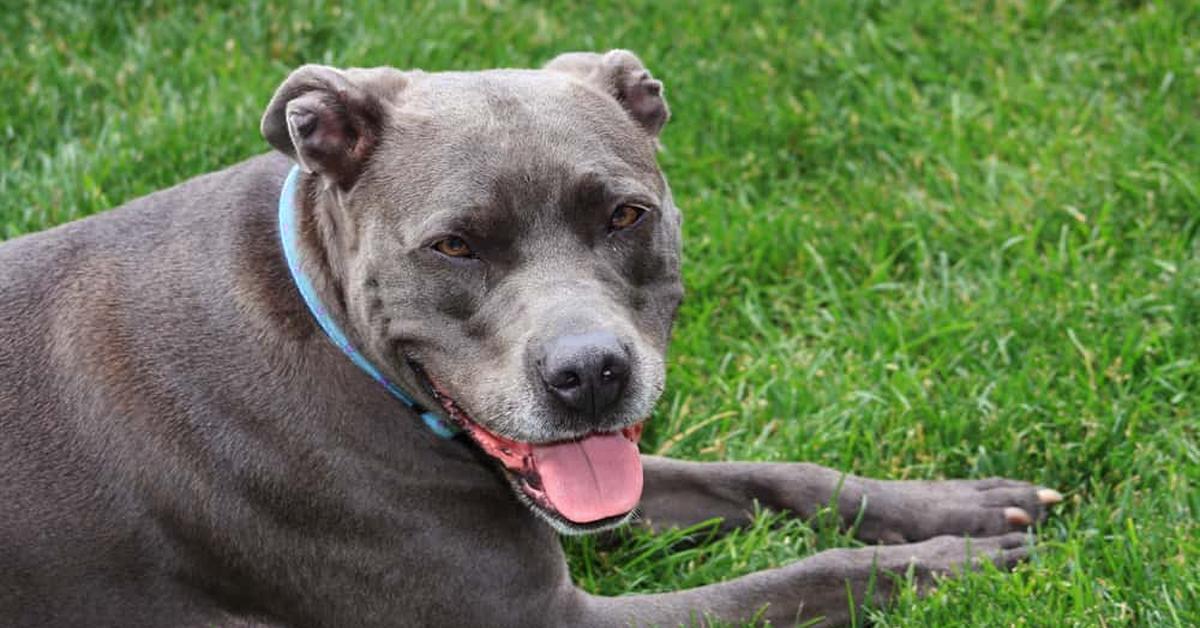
pixel 453 247
pixel 625 217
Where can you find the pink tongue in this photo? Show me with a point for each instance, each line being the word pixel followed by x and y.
pixel 590 479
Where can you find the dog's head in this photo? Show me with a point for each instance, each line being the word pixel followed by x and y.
pixel 504 243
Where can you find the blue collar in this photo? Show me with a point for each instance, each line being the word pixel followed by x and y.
pixel 291 252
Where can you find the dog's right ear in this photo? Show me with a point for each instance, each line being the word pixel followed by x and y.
pixel 326 120
pixel 622 75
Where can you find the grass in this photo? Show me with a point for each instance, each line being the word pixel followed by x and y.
pixel 923 240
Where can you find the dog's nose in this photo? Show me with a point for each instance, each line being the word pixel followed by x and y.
pixel 587 372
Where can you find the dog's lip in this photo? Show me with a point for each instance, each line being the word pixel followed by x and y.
pixel 514 456
pixel 461 418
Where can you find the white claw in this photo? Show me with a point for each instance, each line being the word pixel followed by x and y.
pixel 1017 516
pixel 1049 496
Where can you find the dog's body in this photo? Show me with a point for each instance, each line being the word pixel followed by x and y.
pixel 180 443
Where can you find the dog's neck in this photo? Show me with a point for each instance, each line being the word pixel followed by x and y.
pixel 325 238
pixel 291 240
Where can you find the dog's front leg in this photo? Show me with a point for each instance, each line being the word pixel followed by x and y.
pixel 828 587
pixel 680 493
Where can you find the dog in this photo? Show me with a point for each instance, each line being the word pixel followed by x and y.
pixel 367 378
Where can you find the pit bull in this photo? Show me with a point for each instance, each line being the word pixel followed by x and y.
pixel 368 378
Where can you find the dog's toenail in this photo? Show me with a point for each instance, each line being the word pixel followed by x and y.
pixel 1049 496
pixel 1016 516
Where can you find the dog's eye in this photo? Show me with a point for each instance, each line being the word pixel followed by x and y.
pixel 453 247
pixel 625 217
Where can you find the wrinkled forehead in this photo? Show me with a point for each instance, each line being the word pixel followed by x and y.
pixel 462 138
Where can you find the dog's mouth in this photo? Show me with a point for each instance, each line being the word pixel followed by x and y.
pixel 579 485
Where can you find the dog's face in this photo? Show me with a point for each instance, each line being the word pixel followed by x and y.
pixel 506 243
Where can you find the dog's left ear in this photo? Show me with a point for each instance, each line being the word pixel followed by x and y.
pixel 329 120
pixel 620 74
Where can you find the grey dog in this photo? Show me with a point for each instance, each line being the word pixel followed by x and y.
pixel 181 443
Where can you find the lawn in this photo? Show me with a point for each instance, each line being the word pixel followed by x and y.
pixel 922 240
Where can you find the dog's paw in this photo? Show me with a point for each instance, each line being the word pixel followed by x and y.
pixel 909 511
pixel 945 556
pixel 871 575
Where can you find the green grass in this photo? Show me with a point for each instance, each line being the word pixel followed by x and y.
pixel 923 240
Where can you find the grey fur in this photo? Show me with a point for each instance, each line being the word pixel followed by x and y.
pixel 181 445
